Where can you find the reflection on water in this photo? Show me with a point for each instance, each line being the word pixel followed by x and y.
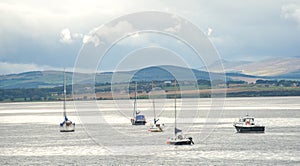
pixel 29 134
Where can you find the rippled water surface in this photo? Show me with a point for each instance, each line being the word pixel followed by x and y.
pixel 29 133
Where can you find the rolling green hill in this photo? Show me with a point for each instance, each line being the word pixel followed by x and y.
pixel 44 79
pixel 49 79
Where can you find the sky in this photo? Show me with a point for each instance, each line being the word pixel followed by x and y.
pixel 49 35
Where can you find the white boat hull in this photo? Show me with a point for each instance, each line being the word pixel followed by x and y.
pixel 67 127
pixel 155 129
pixel 250 129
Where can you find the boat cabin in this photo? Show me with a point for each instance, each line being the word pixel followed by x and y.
pixel 247 120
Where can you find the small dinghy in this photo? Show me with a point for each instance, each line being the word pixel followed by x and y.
pixel 155 127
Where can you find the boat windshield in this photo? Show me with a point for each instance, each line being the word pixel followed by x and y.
pixel 140 117
pixel 248 119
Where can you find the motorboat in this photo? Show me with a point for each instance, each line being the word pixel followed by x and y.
pixel 138 120
pixel 247 124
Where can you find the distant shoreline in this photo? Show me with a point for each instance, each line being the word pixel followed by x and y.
pixel 203 93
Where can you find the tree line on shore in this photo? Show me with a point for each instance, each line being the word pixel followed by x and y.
pixel 55 93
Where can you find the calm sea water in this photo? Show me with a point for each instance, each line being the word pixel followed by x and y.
pixel 29 133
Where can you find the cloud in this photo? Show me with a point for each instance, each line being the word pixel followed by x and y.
pixel 108 33
pixel 291 11
pixel 48 22
pixel 91 39
pixel 65 36
pixel 209 31
pixel 77 36
pixel 177 27
pixel 174 29
pixel 257 30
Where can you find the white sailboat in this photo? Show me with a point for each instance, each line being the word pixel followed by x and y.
pixel 155 127
pixel 67 125
pixel 137 118
pixel 178 138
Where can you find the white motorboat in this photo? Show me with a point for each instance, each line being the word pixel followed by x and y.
pixel 247 124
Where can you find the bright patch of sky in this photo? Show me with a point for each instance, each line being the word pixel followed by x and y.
pixel 43 35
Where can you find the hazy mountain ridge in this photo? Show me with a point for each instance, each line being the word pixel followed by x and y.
pixel 287 68
pixel 40 79
pixel 34 79
pixel 227 65
pixel 275 67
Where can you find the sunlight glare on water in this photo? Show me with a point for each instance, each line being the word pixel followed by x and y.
pixel 29 134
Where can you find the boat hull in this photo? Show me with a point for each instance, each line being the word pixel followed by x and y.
pixel 155 130
pixel 138 122
pixel 250 129
pixel 187 142
pixel 63 130
pixel 67 127
pixel 180 140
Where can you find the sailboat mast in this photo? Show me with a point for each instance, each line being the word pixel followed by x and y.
pixel 135 97
pixel 65 94
pixel 175 109
pixel 153 102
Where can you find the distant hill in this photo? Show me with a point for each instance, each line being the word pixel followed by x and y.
pixel 34 79
pixel 276 67
pixel 229 66
pixel 162 73
pixel 291 75
pixel 287 69
pixel 42 79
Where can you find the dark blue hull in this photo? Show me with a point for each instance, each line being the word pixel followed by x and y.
pixel 252 129
pixel 184 141
pixel 181 143
pixel 67 130
pixel 138 122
